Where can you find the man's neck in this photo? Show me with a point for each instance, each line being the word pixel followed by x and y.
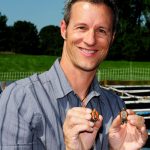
pixel 79 80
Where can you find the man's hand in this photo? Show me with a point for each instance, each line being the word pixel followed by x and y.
pixel 128 136
pixel 79 130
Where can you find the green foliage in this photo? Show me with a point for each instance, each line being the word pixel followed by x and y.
pixel 50 40
pixel 3 20
pixel 25 38
pixel 4 33
pixel 132 39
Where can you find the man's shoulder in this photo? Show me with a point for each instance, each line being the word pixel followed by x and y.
pixel 31 80
pixel 22 86
pixel 23 89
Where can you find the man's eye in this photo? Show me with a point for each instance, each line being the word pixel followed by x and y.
pixel 102 31
pixel 82 28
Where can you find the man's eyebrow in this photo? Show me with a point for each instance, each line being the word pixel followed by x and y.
pixel 77 24
pixel 105 28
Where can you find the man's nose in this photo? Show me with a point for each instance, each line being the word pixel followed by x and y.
pixel 89 38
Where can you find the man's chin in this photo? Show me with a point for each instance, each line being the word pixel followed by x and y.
pixel 88 68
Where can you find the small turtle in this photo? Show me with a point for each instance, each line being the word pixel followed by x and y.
pixel 94 115
pixel 123 115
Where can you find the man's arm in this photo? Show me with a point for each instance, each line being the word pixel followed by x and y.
pixel 15 120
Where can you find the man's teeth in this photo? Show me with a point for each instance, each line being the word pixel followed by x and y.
pixel 88 51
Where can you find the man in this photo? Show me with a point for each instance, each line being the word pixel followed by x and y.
pixel 53 110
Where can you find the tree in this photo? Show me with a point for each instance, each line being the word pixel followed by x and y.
pixel 146 13
pixel 25 38
pixel 4 33
pixel 132 41
pixel 50 40
pixel 3 20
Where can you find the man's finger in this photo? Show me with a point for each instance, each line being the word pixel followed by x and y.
pixel 117 122
pixel 136 120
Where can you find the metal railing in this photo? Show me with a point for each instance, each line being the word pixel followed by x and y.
pixel 12 76
pixel 119 74
pixel 124 74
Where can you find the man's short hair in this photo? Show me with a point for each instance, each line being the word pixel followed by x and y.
pixel 109 3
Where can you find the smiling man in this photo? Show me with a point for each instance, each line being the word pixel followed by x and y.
pixel 65 108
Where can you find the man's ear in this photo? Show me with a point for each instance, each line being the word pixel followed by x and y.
pixel 113 38
pixel 63 29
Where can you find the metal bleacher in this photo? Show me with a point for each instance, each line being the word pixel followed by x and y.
pixel 136 98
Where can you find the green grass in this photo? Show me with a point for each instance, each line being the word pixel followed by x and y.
pixel 124 64
pixel 25 63
pixel 29 63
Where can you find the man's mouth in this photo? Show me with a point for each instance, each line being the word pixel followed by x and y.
pixel 88 52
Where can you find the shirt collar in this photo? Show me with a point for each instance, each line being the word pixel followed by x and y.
pixel 61 85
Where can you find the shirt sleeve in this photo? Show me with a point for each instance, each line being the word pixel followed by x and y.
pixel 18 121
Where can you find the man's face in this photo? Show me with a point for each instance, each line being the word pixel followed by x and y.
pixel 88 35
